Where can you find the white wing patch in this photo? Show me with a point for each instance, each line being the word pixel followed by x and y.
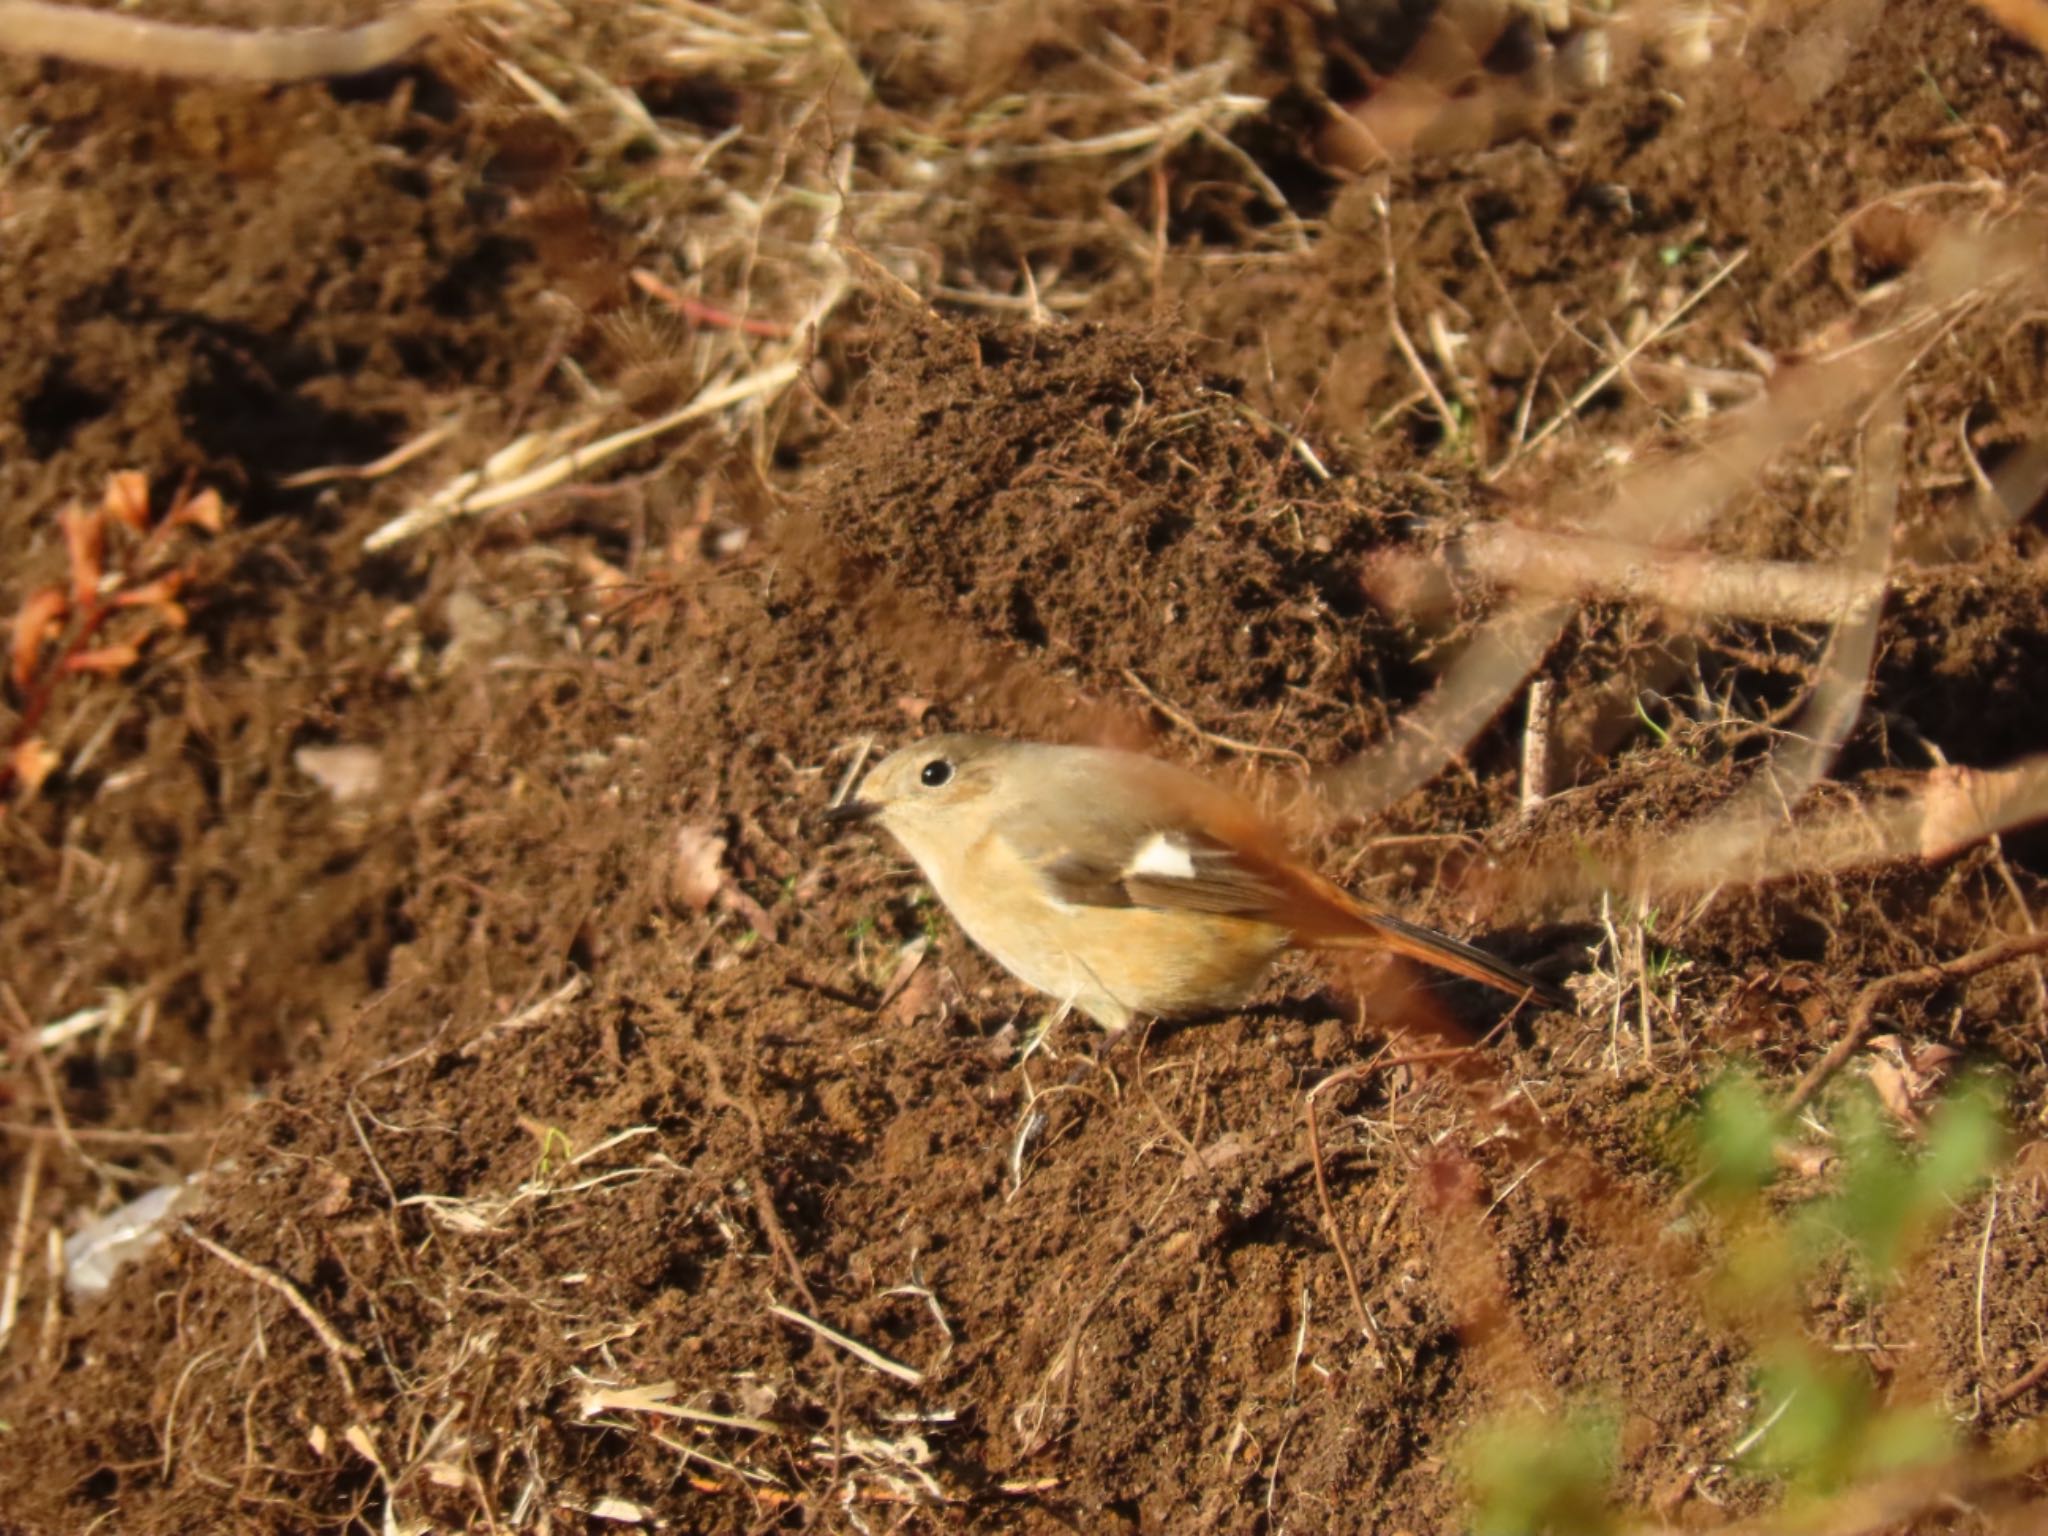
pixel 1162 856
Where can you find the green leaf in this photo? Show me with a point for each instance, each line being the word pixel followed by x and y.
pixel 1734 1136
pixel 1532 1475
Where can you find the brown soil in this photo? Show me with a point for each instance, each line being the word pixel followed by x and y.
pixel 488 1085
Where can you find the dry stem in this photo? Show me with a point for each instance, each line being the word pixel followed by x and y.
pixel 271 55
pixel 852 1346
pixel 1889 989
pixel 339 1350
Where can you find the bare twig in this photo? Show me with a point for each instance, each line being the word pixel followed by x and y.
pixel 339 1350
pixel 1561 565
pixel 1803 754
pixel 2034 1375
pixel 1228 743
pixel 1607 375
pixel 270 55
pixel 1880 994
pixel 17 1247
pixel 1338 1079
pixel 1537 735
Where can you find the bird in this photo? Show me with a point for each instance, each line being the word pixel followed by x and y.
pixel 1123 886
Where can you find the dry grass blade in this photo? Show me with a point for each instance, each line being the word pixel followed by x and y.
pixel 655 1398
pixel 1614 370
pixel 854 1347
pixel 17 1247
pixel 482 490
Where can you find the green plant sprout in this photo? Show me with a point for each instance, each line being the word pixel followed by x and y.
pixel 1887 1201
pixel 1823 1428
pixel 1541 1475
pixel 1821 1425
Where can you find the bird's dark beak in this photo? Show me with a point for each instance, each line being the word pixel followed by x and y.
pixel 851 813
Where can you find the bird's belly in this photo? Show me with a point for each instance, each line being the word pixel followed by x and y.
pixel 1114 962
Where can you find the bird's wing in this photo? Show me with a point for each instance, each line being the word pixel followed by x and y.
pixel 1171 867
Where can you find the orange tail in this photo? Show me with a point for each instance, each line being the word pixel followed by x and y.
pixel 1382 930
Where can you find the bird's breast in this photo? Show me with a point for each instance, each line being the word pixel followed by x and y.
pixel 1109 962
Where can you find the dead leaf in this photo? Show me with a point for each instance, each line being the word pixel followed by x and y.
pixel 914 708
pixel 696 872
pixel 126 499
pixel 600 572
pixel 1220 1153
pixel 349 773
pixel 363 1444
pixel 920 996
pixel 206 510
pixel 1895 1091
pixel 1933 1061
pixel 103 661
pixel 158 596
pixel 39 618
pixel 33 762
pixel 84 546
pixel 907 961
pixel 756 915
pixel 1961 805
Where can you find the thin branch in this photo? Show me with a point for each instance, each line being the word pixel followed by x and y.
pixel 17 1249
pixel 1885 991
pixel 271 55
pixel 1228 743
pixel 1338 1079
pixel 1607 375
pixel 338 1349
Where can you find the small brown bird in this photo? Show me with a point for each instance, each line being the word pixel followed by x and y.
pixel 1122 885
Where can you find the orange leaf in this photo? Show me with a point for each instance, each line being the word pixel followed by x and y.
pixel 41 613
pixel 32 761
pixel 127 498
pixel 202 511
pixel 106 661
pixel 84 541
pixel 160 593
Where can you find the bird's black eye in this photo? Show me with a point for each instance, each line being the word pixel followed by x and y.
pixel 936 772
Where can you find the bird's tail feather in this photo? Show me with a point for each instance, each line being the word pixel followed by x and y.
pixel 1383 930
